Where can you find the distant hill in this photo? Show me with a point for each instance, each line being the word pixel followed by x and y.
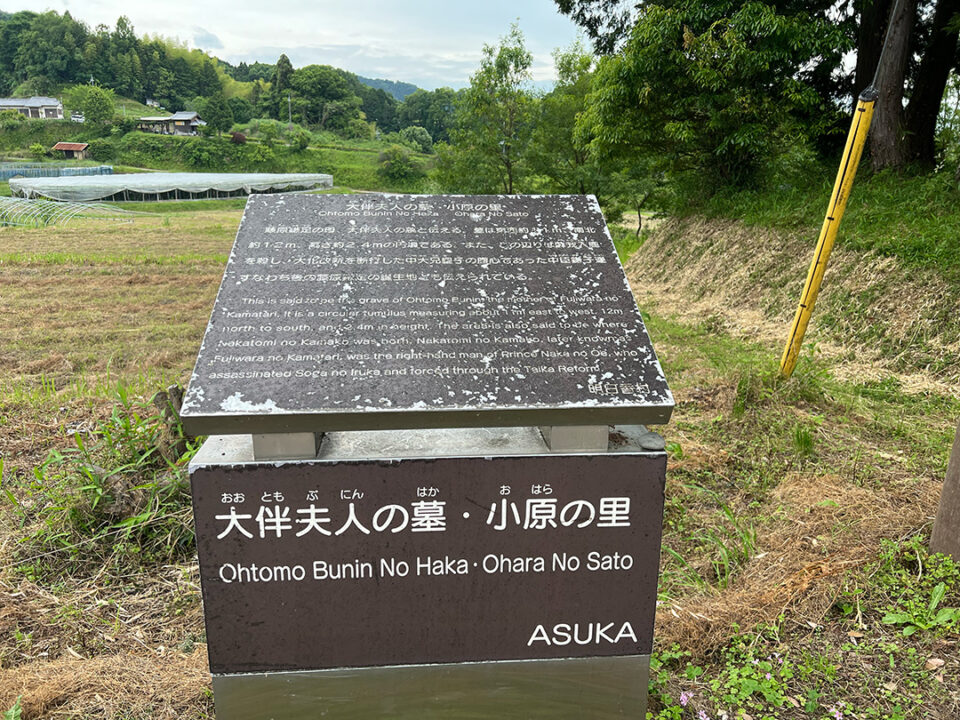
pixel 399 90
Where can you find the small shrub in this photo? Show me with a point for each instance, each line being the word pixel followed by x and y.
pixel 38 151
pixel 267 130
pixel 396 163
pixel 124 124
pixel 357 129
pixel 102 149
pixel 300 139
pixel 11 120
pixel 259 157
pixel 418 138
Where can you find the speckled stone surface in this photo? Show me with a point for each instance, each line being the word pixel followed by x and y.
pixel 355 312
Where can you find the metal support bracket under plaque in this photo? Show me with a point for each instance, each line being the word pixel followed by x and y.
pixel 576 438
pixel 286 446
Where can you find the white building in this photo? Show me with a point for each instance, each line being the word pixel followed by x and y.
pixel 45 108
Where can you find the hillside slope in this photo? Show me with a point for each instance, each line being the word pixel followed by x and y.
pixel 875 314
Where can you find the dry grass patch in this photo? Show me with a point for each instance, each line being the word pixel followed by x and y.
pixel 125 685
pixel 821 528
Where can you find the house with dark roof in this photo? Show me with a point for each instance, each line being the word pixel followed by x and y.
pixel 38 107
pixel 72 150
pixel 185 122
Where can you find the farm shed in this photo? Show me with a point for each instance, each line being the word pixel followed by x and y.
pixel 72 150
pixel 165 186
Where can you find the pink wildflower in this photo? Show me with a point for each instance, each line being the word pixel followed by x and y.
pixel 685 698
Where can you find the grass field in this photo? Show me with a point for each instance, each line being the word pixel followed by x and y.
pixel 796 516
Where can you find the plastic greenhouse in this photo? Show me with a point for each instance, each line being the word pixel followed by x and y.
pixel 164 186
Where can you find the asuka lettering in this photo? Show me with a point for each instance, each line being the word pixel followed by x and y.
pixel 582 634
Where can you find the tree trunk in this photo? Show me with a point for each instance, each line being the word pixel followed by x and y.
pixel 508 169
pixel 873 21
pixel 946 529
pixel 887 146
pixel 938 59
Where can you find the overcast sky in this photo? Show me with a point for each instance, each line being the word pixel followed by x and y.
pixel 430 43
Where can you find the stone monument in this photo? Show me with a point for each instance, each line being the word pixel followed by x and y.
pixel 428 490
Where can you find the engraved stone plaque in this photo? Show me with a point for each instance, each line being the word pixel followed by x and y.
pixel 354 312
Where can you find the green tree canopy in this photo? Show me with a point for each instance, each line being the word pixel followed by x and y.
pixel 50 50
pixel 493 122
pixel 711 87
pixel 556 154
pixel 432 110
pixel 217 114
pixel 607 22
pixel 379 107
pixel 241 108
pixel 97 104
pixel 324 96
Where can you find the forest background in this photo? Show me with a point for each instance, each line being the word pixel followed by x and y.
pixel 675 101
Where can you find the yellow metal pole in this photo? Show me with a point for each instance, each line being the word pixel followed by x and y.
pixel 828 233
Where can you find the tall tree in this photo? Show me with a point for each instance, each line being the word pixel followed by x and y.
pixel 923 50
pixel 241 108
pixel 873 17
pixel 556 151
pixel 940 58
pixel 97 104
pixel 11 30
pixel 493 121
pixel 217 113
pixel 324 96
pixel 208 82
pixel 282 74
pixel 379 106
pixel 887 146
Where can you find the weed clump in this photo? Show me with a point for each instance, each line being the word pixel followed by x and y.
pixel 910 589
pixel 117 500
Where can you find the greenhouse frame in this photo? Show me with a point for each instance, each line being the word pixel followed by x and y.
pixel 150 187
